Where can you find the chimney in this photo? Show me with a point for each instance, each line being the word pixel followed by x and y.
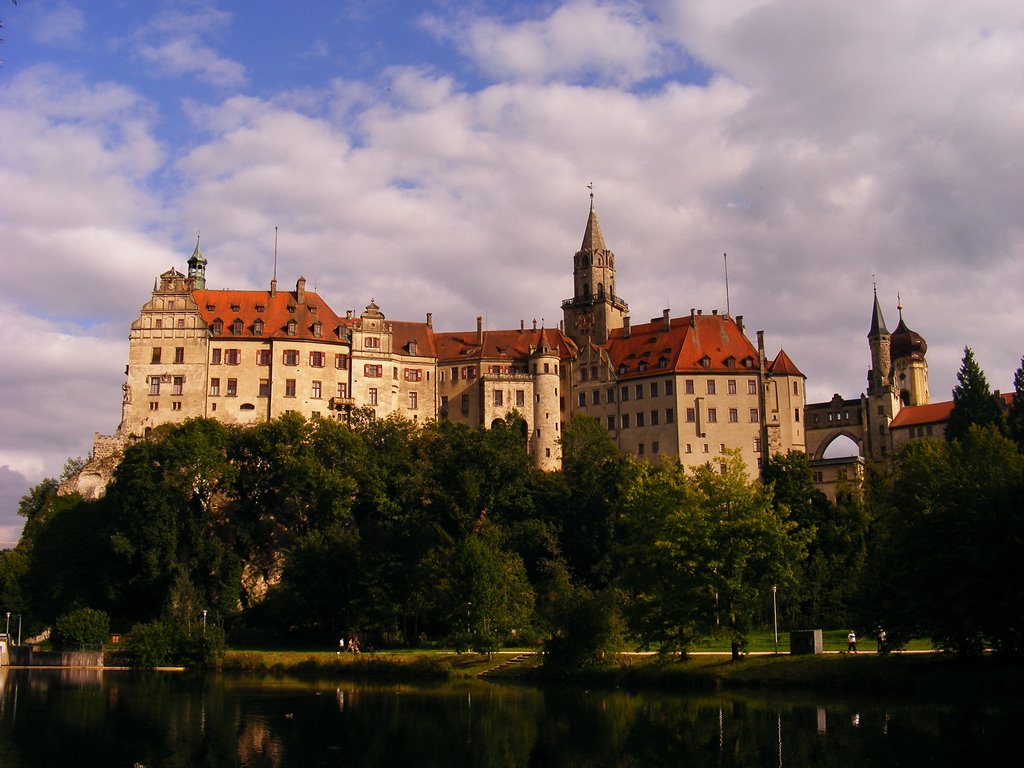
pixel 479 330
pixel 300 290
pixel 522 326
pixel 739 322
pixel 348 314
pixel 273 287
pixel 430 319
pixel 666 319
pixel 625 327
pixel 714 311
pixel 693 316
pixel 535 323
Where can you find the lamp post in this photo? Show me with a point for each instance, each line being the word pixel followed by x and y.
pixel 204 621
pixel 7 632
pixel 775 617
pixel 19 629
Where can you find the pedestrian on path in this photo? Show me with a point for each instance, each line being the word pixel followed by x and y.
pixel 851 642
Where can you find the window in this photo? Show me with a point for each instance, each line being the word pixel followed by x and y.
pixel 470 371
pixel 414 400
pixel 262 357
pixel 640 450
pixel 734 415
pixel 342 389
pixel 595 397
pixel 178 385
pixel 625 394
pixel 318 329
pixel 757 445
pixel 341 362
pixel 373 371
pixel 154 385
pixel 654 447
pixel 179 355
pixel 668 387
pixel 444 405
pixel 611 394
pixel 731 386
pixel 215 357
pixel 751 386
pixel 218 327
pixel 236 327
pixel 290 357
pixel 520 398
pixel 625 421
pixel 593 372
pixel 583 374
pixel 372 342
pixel 316 390
pixel 611 423
pixel 688 386
pixel 796 415
pixel 654 389
pixel 640 418
pixel 689 448
pixel 582 399
pixel 289 387
pixel 639 391
pixel 264 390
pixel 156 356
pixel 317 359
pixel 705 448
pixel 215 387
pixel 711 386
pixel 721 447
pixel 257 328
pixel 232 356
pixel 753 416
pixel 547 368
pixel 159 323
pixel 291 327
pixel 712 415
pixel 455 374
pixel 654 418
pixel 413 374
pixel 232 387
pixel 464 403
pixel 499 398
pixel 372 393
pixel 154 406
pixel 176 405
pixel 796 388
pixel 670 416
pixel 691 415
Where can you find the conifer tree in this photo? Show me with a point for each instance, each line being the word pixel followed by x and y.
pixel 973 402
pixel 1015 417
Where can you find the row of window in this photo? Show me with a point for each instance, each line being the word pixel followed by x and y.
pixel 712 414
pixel 237 328
pixel 499 398
pixel 157 355
pixel 289 357
pixel 640 419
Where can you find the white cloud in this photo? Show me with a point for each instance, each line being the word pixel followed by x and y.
pixel 174 43
pixel 57 24
pixel 613 42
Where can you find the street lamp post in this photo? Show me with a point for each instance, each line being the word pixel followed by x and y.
pixel 7 632
pixel 19 629
pixel 775 617
pixel 204 621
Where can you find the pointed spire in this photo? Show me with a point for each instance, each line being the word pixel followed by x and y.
pixel 593 239
pixel 877 321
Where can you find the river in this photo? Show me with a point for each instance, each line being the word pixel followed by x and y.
pixel 113 718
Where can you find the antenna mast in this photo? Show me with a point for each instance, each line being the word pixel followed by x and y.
pixel 275 253
pixel 725 261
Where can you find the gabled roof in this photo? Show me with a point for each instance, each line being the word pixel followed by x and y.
pixel 404 332
pixel 877 321
pixel 275 312
pixel 696 343
pixel 782 365
pixel 502 345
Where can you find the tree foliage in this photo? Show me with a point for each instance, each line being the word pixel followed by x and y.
pixel 973 401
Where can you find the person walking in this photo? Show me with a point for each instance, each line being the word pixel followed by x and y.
pixel 851 642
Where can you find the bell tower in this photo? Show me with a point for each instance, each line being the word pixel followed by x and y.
pixel 594 310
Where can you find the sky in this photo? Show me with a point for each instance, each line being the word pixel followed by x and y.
pixel 435 157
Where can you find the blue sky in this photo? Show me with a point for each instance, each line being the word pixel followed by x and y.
pixel 435 156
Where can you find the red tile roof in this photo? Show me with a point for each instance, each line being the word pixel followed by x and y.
pixel 275 312
pixel 514 345
pixel 782 364
pixel 403 333
pixel 931 413
pixel 698 344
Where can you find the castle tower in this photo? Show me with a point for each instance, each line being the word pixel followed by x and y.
pixel 197 268
pixel 594 309
pixel 882 400
pixel 909 367
pixel 545 442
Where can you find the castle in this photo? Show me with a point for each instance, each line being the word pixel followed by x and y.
pixel 690 387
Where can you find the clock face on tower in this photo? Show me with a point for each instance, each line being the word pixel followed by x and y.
pixel 585 321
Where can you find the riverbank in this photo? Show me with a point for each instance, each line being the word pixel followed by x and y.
pixel 922 674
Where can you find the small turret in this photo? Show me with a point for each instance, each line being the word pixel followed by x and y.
pixel 197 268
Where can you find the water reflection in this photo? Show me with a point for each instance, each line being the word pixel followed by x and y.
pixel 72 717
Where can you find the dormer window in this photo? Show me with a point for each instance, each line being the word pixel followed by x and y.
pixel 730 362
pixel 318 329
pixel 257 328
pixel 643 365
pixel 662 362
pixel 237 326
pixel 413 348
pixel 291 327
pixel 261 307
pixel 748 362
pixel 211 307
pixel 218 327
pixel 235 308
pixel 623 369
pixel 705 362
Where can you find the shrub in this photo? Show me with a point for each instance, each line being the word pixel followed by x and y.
pixel 80 628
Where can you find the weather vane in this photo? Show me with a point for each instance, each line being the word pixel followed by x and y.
pixel 590 186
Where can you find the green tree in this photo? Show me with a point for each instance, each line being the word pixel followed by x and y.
pixel 948 562
pixel 973 401
pixel 81 627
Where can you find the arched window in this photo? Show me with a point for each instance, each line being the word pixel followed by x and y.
pixel 600 290
pixel 586 262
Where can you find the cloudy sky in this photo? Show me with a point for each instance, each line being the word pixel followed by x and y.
pixel 435 156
